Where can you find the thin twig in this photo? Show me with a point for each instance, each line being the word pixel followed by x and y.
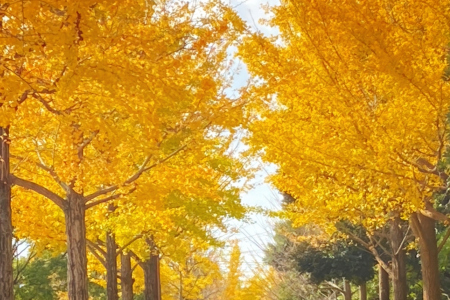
pixel 403 241
pixel 444 240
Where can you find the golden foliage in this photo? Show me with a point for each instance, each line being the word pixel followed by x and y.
pixel 351 104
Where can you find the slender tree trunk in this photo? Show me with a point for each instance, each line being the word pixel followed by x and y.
pixel 363 291
pixel 6 255
pixel 152 290
pixel 76 248
pixel 383 283
pixel 111 267
pixel 347 290
pixel 181 286
pixel 398 260
pixel 424 228
pixel 126 277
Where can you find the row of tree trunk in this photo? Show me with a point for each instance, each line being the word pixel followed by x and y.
pixel 152 281
pixel 424 228
pixel 400 289
pixel 383 287
pixel 74 209
pixel 347 291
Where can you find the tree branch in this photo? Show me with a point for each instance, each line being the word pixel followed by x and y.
pixel 85 143
pixel 110 198
pixel 426 167
pixel 37 95
pixel 40 190
pixel 431 213
pixel 334 287
pixel 377 243
pixel 96 247
pixel 101 192
pixel 136 175
pixel 404 240
pixel 129 243
pixel 444 240
pixel 115 187
pixel 94 252
pixel 50 171
pixel 163 160
pixel 372 249
pixel 19 270
pixel 136 258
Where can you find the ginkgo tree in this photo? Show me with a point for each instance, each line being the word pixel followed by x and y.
pixel 351 103
pixel 95 94
pixel 177 201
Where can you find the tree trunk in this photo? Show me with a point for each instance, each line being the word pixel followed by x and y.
pixel 126 277
pixel 347 290
pixel 111 267
pixel 424 228
pixel 363 291
pixel 181 286
pixel 6 255
pixel 383 283
pixel 152 290
pixel 76 248
pixel 398 260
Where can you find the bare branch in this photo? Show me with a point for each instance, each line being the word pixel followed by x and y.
pixel 371 247
pixel 19 270
pixel 403 241
pixel 377 243
pixel 444 240
pixel 334 286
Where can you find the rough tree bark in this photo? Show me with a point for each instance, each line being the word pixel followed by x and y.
pixel 399 283
pixel 111 267
pixel 76 247
pixel 424 229
pixel 363 291
pixel 383 283
pixel 347 290
pixel 6 255
pixel 126 277
pixel 152 281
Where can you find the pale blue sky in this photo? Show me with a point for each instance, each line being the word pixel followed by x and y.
pixel 253 237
